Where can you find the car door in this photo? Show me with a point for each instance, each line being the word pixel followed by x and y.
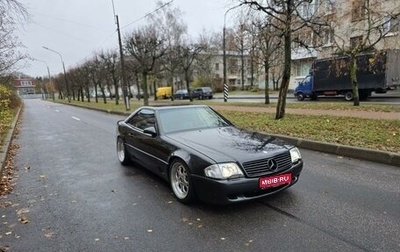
pixel 147 148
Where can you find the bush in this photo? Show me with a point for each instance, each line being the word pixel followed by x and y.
pixel 8 101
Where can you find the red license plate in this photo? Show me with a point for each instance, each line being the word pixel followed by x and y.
pixel 274 181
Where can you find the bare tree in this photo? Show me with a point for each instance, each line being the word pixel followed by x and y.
pixel 11 12
pixel 76 81
pixel 97 75
pixel 146 45
pixel 173 28
pixel 133 72
pixel 189 52
pixel 207 59
pixel 110 60
pixel 269 46
pixel 286 18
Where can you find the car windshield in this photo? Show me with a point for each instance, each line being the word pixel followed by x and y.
pixel 190 118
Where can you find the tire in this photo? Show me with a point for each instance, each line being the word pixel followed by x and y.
pixel 300 97
pixel 364 95
pixel 314 97
pixel 181 182
pixel 348 96
pixel 122 155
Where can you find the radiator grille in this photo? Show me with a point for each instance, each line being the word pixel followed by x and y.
pixel 260 167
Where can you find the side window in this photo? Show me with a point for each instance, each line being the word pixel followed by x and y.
pixel 305 81
pixel 143 119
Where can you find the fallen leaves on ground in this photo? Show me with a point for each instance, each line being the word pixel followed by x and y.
pixel 8 173
pixel 48 234
pixel 24 220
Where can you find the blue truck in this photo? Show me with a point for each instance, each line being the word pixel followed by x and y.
pixel 377 72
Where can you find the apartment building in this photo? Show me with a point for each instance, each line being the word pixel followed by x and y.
pixel 241 70
pixel 350 22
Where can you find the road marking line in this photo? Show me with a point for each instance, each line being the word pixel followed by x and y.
pixel 76 118
pixel 57 110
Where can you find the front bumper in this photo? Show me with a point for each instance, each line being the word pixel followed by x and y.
pixel 222 192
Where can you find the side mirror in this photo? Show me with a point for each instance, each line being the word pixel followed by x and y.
pixel 150 131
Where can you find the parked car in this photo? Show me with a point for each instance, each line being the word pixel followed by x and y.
pixel 164 92
pixel 204 156
pixel 181 94
pixel 202 93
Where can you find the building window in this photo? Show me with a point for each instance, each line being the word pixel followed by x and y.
pixel 358 10
pixel 233 66
pixel 306 9
pixel 356 41
pixel 217 66
pixel 303 39
pixel 391 25
pixel 328 37
pixel 302 69
pixel 328 6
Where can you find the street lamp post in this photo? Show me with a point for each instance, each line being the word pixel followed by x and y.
pixel 48 72
pixel 65 75
pixel 226 87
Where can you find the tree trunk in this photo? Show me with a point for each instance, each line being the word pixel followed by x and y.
pixel 103 94
pixel 145 91
pixel 242 65
pixel 280 109
pixel 138 86
pixel 82 94
pixel 116 94
pixel 251 71
pixel 171 80
pixel 266 69
pixel 155 88
pixel 187 86
pixel 88 92
pixel 354 81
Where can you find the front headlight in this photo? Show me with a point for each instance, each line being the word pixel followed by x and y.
pixel 295 154
pixel 223 171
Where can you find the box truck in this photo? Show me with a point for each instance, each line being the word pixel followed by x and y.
pixel 376 72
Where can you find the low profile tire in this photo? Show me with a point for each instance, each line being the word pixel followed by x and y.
pixel 300 97
pixel 348 96
pixel 181 182
pixel 121 152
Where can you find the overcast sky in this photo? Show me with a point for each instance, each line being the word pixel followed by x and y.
pixel 78 28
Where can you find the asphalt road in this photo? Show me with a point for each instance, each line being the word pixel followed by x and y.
pixel 77 197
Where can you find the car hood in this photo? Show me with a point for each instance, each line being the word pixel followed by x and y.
pixel 229 143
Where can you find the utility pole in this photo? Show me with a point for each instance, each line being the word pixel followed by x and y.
pixel 124 81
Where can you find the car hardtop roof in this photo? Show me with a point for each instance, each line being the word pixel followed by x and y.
pixel 180 106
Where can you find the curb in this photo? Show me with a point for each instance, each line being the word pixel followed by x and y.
pixel 5 148
pixel 383 157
